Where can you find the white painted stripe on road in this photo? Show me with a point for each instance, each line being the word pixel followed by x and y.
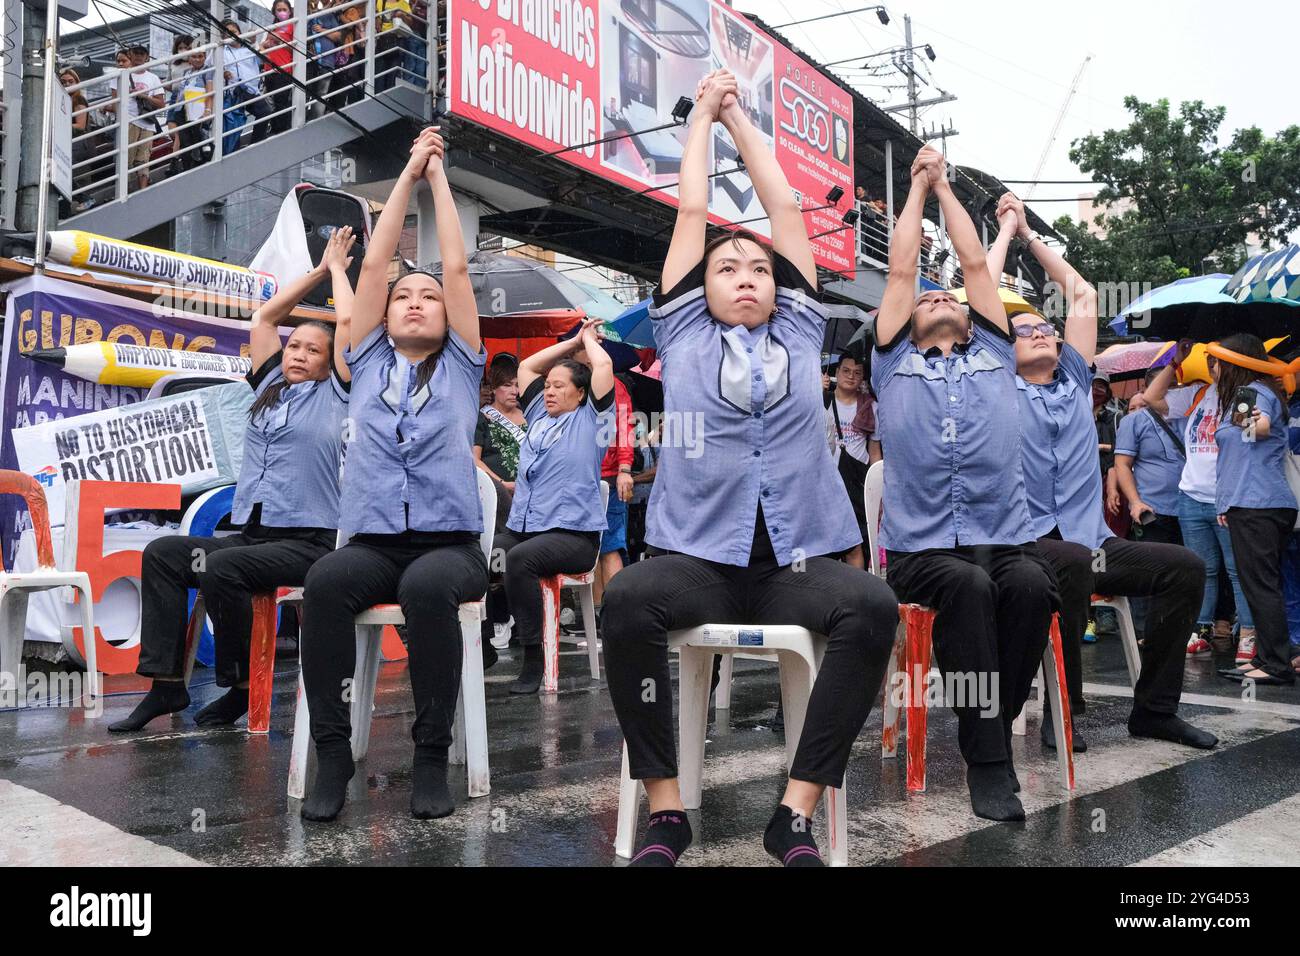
pixel 1268 837
pixel 1203 700
pixel 36 830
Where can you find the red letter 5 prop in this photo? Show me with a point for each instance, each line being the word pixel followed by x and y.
pixel 84 545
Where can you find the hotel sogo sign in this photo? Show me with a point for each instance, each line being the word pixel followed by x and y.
pixel 565 73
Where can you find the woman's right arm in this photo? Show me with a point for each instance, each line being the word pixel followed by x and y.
pixel 337 260
pixel 686 248
pixel 539 363
pixel 371 299
pixel 264 332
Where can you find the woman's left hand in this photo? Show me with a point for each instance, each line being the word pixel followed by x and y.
pixel 624 482
pixel 591 334
pixel 1223 521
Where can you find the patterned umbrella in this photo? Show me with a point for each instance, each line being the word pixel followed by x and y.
pixel 1178 301
pixel 1131 360
pixel 1270 277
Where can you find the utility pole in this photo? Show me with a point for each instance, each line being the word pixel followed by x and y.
pixel 911 72
pixel 31 161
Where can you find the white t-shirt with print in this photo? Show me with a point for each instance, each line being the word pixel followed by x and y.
pixel 142 83
pixel 854 441
pixel 1200 473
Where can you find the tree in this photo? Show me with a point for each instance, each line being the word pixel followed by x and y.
pixel 1177 203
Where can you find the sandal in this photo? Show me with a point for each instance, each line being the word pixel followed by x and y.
pixel 1265 679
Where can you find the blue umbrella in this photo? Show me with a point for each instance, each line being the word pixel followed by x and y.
pixel 634 327
pixel 1185 295
pixel 1270 277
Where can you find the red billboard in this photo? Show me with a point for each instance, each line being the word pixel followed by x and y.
pixel 565 73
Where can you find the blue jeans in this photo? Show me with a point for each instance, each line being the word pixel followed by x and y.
pixel 414 65
pixel 1203 534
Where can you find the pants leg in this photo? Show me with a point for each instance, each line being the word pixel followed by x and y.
pixel 1245 616
pixel 1291 587
pixel 1199 537
pixel 231 578
pixel 1027 596
pixel 1259 537
pixel 1073 565
pixel 168 569
pixel 964 596
pixel 430 591
pixel 1172 577
pixel 339 586
pixel 642 604
pixel 858 613
pixel 530 559
pixel 1164 530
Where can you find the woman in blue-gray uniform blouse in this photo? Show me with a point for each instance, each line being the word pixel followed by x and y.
pixel 745 518
pixel 409 499
pixel 286 499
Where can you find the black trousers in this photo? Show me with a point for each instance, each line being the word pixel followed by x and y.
pixel 994 608
pixel 855 610
pixel 279 84
pixel 1165 529
pixel 430 582
pixel 1259 538
pixel 1171 575
pixel 530 557
pixel 227 571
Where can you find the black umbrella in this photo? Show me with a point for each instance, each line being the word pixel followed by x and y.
pixel 509 285
pixel 1210 322
pixel 843 327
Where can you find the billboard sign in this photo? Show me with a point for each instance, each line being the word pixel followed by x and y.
pixel 560 75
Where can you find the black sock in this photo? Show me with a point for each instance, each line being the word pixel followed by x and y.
pixel 530 678
pixel 991 796
pixel 1011 763
pixel 164 697
pixel 430 798
pixel 325 802
pixel 788 838
pixel 667 836
pixel 1048 735
pixel 1143 723
pixel 226 709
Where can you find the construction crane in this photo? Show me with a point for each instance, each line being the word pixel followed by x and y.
pixel 1056 128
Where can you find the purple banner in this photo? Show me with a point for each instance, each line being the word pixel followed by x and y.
pixel 46 313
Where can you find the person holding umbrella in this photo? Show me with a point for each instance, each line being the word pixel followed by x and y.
pixel 743 529
pixel 556 519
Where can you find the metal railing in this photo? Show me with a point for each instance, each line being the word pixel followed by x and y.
pixel 208 112
pixel 6 199
pixel 873 235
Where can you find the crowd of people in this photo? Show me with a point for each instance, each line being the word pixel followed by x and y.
pixel 993 502
pixel 170 114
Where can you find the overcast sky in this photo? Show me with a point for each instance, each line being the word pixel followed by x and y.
pixel 1010 63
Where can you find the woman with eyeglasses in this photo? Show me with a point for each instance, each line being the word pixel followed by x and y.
pixel 556 519
pixel 409 496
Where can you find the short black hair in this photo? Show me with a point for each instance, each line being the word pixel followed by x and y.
pixel 229 23
pixel 139 50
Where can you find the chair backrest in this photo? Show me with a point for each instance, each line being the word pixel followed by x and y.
pixel 873 491
pixel 604 506
pixel 487 496
pixel 21 483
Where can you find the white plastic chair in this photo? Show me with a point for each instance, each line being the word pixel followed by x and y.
pixel 1127 632
pixel 799 653
pixel 469 731
pixel 16 586
pixel 551 590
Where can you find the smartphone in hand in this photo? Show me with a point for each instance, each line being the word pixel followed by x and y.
pixel 1243 404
